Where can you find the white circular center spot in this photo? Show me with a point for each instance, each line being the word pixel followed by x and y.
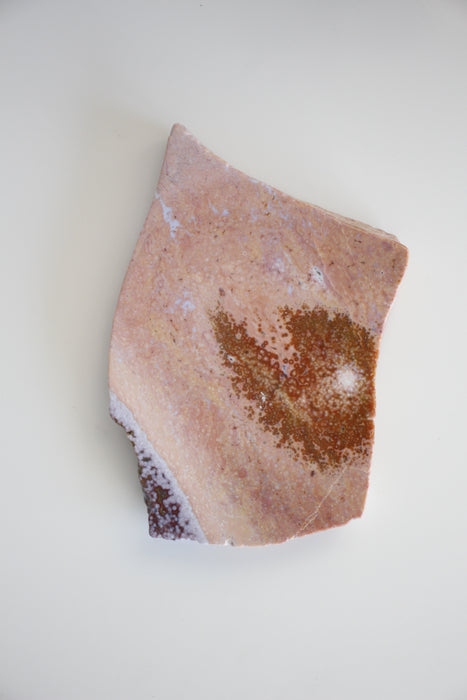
pixel 346 379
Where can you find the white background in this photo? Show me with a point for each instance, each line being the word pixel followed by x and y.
pixel 360 107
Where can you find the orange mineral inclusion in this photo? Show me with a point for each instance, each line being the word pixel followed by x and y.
pixel 317 396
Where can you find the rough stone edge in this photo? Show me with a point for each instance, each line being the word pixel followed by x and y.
pixel 179 129
pixel 152 465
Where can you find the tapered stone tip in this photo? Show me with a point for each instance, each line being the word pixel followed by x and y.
pixel 243 354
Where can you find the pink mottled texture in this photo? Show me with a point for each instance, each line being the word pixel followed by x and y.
pixel 221 250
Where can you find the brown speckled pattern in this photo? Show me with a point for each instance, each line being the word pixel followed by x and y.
pixel 244 345
pixel 312 385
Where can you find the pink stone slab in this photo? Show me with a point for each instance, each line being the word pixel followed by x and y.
pixel 243 354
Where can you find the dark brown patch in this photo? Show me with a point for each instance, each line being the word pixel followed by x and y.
pixel 317 398
pixel 164 512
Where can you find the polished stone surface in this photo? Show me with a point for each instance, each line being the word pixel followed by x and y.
pixel 243 354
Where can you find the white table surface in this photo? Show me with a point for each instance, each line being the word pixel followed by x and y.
pixel 360 107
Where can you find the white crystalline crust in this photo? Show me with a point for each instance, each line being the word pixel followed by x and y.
pixel 155 472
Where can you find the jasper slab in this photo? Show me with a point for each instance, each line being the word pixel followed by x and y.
pixel 243 355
